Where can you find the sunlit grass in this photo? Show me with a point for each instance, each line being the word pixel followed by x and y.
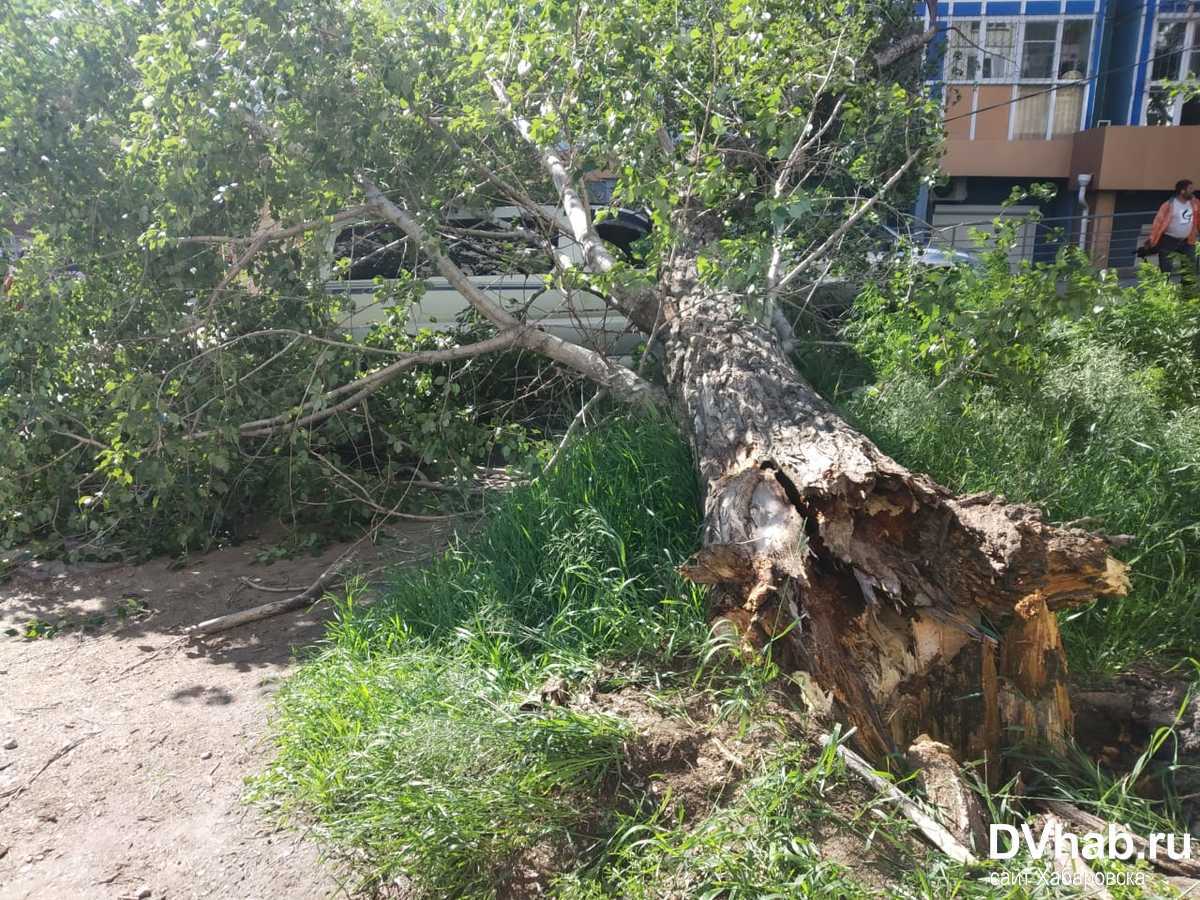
pixel 410 748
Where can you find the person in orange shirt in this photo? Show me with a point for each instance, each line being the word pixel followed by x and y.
pixel 1173 233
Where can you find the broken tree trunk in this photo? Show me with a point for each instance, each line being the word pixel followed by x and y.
pixel 914 611
pixel 947 791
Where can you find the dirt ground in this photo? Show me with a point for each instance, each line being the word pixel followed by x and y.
pixel 124 748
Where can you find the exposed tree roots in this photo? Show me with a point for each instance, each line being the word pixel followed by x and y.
pixel 906 609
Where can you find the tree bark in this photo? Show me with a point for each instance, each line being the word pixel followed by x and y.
pixel 905 609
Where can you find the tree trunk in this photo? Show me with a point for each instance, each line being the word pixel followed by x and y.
pixel 904 609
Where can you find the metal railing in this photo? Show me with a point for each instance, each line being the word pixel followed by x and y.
pixel 1110 240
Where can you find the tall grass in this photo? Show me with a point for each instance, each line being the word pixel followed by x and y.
pixel 404 741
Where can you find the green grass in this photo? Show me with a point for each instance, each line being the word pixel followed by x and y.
pixel 409 748
pixel 404 741
pixel 579 563
pixel 420 763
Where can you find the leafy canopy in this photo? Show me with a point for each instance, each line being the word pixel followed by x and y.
pixel 130 129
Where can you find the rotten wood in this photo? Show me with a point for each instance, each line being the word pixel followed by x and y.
pixel 915 611
pixel 933 830
pixel 947 791
pixel 1119 715
pixel 1084 821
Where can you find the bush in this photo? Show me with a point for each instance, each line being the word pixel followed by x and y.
pixel 119 426
pixel 1082 400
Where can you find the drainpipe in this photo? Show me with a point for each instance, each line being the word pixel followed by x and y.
pixel 1084 180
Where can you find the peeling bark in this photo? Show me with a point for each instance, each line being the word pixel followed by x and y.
pixel 913 610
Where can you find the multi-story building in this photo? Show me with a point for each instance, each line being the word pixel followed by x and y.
pixel 1090 95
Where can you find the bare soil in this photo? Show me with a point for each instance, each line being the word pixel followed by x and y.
pixel 124 747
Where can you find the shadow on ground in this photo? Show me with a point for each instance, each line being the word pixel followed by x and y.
pixel 53 601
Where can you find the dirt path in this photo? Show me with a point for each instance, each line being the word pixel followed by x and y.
pixel 132 746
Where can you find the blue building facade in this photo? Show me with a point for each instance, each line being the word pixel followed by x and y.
pixel 1084 94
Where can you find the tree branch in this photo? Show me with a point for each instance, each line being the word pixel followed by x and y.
pixel 620 380
pixel 595 254
pixel 515 193
pixel 260 238
pixel 841 230
pixel 576 423
pixel 363 387
pixel 912 43
pixel 278 234
pixel 904 47
pixel 641 306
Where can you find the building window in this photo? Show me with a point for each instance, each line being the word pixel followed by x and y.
pixel 998 55
pixel 981 50
pixel 1176 59
pixel 1044 59
pixel 1038 49
pixel 1074 49
pixel 1018 50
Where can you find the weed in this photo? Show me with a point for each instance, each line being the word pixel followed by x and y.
pixel 129 607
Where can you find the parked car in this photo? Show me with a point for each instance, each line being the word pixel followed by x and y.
pixel 922 246
pixel 515 277
pixel 373 253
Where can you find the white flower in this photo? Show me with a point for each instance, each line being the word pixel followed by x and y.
pixel 524 67
pixel 148 102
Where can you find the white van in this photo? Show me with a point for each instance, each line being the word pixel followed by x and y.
pixel 372 253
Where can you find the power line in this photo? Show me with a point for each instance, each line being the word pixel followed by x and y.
pixel 1070 84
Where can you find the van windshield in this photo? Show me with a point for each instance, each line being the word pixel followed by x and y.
pixel 476 245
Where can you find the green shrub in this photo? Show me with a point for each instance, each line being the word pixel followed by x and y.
pixel 119 428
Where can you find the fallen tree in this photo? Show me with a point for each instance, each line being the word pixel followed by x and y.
pixel 913 610
pixel 763 139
